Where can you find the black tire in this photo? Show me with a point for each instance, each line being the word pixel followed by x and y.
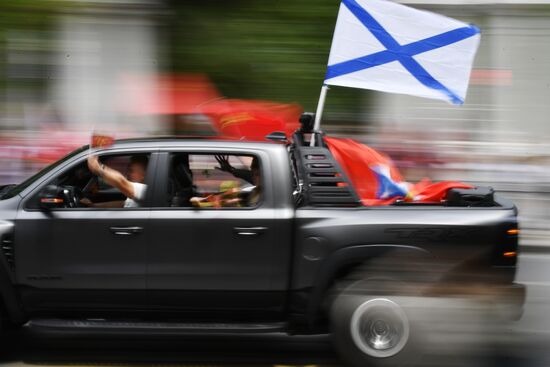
pixel 375 329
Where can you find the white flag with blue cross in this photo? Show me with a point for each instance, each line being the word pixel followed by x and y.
pixel 382 45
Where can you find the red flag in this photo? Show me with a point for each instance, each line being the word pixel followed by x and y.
pixel 428 192
pixel 101 140
pixel 376 179
pixel 252 120
pixel 356 160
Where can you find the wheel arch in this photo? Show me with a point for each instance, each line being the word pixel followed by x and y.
pixel 345 260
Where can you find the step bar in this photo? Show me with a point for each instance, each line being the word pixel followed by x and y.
pixel 103 325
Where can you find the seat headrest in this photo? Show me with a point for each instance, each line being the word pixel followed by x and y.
pixel 182 172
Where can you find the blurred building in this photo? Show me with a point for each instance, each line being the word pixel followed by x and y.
pixel 99 44
pixel 65 63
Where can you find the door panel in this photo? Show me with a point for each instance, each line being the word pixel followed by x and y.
pixel 70 259
pixel 196 255
pixel 214 260
pixel 201 250
pixel 89 261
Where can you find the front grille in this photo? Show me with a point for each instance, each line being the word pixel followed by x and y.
pixel 8 250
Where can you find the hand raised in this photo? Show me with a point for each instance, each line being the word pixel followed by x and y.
pixel 93 164
pixel 223 160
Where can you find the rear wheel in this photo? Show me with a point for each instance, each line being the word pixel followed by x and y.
pixel 374 331
pixel 379 327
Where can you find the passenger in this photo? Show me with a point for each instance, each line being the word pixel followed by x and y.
pixel 244 174
pixel 252 176
pixel 255 196
pixel 132 187
pixel 227 198
pixel 230 193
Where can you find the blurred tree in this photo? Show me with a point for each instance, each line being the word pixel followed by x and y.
pixel 274 50
pixel 28 14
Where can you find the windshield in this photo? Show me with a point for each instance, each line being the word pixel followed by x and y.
pixel 16 189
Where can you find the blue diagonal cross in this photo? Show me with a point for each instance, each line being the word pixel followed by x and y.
pixel 402 53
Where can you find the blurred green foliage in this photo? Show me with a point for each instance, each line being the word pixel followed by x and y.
pixel 275 50
pixel 28 14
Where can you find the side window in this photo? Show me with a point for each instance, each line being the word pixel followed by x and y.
pixel 214 181
pixel 80 188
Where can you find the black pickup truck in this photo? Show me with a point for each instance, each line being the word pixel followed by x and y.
pixel 304 257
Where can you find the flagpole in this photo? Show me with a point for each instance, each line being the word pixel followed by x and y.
pixel 319 113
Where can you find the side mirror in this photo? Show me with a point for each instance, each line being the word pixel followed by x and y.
pixel 51 197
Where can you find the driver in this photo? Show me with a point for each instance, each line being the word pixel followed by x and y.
pixel 132 187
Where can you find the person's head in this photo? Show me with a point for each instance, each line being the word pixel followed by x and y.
pixel 137 168
pixel 255 169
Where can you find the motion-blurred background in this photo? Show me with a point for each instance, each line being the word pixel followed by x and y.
pixel 140 67
pixel 148 67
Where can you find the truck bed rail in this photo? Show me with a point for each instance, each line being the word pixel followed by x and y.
pixel 324 181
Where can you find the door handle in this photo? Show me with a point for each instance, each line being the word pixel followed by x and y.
pixel 249 231
pixel 126 231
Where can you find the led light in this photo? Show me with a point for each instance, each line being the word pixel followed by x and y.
pixel 513 231
pixel 510 254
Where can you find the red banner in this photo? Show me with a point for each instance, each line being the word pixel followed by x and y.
pixel 376 179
